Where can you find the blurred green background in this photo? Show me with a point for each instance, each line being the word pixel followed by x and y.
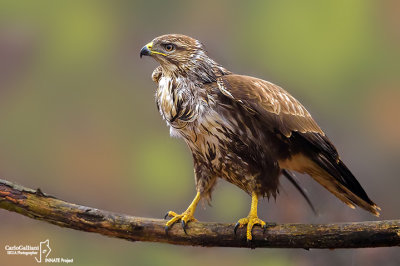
pixel 78 118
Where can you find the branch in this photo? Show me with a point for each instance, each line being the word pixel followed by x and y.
pixel 37 205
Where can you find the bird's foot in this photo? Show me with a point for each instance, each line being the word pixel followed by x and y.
pixel 250 221
pixel 185 217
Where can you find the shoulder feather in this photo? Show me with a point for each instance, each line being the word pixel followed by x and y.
pixel 270 101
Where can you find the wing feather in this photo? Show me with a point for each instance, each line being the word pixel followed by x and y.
pixel 272 102
pixel 311 151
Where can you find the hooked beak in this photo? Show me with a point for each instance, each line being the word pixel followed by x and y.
pixel 147 50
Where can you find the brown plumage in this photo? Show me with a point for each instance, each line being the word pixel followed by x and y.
pixel 242 129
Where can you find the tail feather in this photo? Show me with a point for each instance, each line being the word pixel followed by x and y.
pixel 316 156
pixel 302 191
pixel 338 179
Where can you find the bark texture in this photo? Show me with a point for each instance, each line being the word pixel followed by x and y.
pixel 40 206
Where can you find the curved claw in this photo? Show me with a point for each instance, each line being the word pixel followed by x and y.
pixel 166 228
pixel 236 227
pixel 184 218
pixel 166 215
pixel 184 226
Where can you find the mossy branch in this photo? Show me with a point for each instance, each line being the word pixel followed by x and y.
pixel 37 205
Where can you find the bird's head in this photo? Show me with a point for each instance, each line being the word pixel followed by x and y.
pixel 181 55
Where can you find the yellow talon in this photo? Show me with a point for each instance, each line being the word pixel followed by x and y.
pixel 185 217
pixel 252 219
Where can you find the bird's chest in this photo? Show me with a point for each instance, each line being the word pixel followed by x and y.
pixel 177 101
pixel 190 113
pixel 165 98
pixel 214 139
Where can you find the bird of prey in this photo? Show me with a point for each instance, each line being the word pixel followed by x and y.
pixel 242 129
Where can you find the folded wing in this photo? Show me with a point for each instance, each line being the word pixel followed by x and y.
pixel 310 151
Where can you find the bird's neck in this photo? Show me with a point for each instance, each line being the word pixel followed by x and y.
pixel 200 70
pixel 181 92
pixel 207 71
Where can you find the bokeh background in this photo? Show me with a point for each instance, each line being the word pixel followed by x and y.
pixel 78 118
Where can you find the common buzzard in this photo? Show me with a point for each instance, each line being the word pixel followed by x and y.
pixel 242 129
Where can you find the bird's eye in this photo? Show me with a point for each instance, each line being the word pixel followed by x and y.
pixel 169 47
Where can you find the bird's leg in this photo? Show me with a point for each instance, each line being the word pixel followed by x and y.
pixel 251 219
pixel 185 217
